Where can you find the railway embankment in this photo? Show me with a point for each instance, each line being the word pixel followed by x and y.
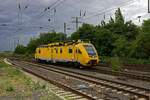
pixel 16 84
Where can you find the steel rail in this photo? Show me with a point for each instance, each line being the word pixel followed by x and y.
pixel 138 76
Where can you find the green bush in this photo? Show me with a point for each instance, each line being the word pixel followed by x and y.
pixel 135 61
pixel 10 88
pixel 20 49
pixel 116 64
pixel 37 86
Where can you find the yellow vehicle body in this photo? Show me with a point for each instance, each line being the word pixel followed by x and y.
pixel 75 52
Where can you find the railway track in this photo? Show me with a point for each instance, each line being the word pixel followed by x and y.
pixel 63 94
pixel 92 87
pixel 134 67
pixel 144 76
pixel 125 73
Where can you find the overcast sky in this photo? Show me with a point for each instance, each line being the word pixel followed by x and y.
pixel 23 19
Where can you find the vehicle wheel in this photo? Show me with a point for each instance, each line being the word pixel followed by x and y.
pixel 76 64
pixel 81 67
pixel 53 61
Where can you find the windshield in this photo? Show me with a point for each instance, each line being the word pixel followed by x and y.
pixel 90 50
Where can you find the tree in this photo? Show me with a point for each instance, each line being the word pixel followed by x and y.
pixel 103 23
pixel 86 31
pixel 121 47
pixel 116 25
pixel 111 21
pixel 104 41
pixel 32 45
pixel 141 45
pixel 145 44
pixel 146 26
pixel 119 17
pixel 46 38
pixel 131 31
pixel 20 49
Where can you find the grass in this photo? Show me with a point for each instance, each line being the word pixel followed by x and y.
pixel 13 83
pixel 6 54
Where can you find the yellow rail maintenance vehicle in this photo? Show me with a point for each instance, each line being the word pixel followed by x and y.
pixel 76 52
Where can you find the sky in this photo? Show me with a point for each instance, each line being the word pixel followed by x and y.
pixel 25 19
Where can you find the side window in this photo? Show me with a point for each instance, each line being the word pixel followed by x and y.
pixel 60 50
pixel 76 50
pixel 70 50
pixel 56 50
pixel 79 51
pixel 39 51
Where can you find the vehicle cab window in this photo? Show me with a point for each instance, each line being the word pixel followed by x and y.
pixel 90 50
pixel 78 51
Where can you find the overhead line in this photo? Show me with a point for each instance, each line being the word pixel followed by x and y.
pixel 19 6
pixel 53 6
pixel 109 9
pixel 57 5
pixel 49 7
